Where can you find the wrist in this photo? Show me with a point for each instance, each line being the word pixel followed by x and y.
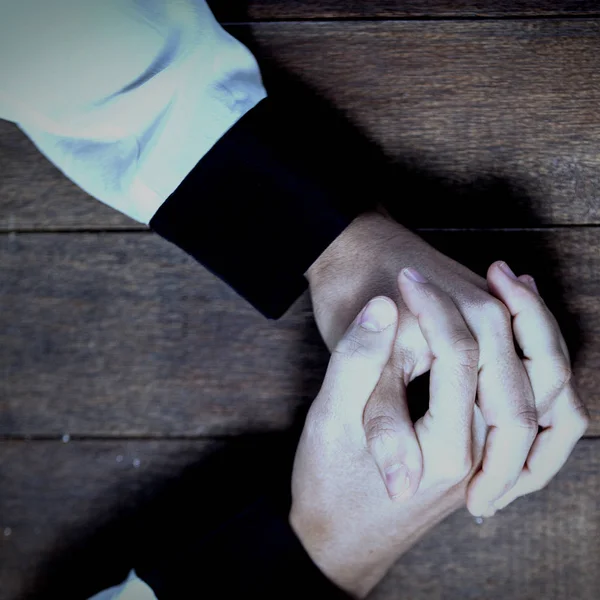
pixel 354 238
pixel 352 270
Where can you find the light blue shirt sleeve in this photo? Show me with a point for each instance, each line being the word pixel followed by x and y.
pixel 133 588
pixel 125 97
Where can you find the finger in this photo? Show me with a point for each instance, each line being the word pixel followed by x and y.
pixel 551 449
pixel 454 367
pixel 358 360
pixel 544 388
pixel 508 405
pixel 534 326
pixel 391 437
pixel 529 281
pixel 561 411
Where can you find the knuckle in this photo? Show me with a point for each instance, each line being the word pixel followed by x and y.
pixel 466 348
pixel 495 315
pixel 563 375
pixel 527 419
pixel 351 347
pixel 378 427
pixel 581 419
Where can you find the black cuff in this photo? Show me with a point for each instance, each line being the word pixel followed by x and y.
pixel 254 555
pixel 265 202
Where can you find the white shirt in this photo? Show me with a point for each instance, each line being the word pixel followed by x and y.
pixel 133 588
pixel 123 96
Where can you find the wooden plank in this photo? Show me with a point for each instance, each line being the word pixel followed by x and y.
pixel 69 509
pixel 478 117
pixel 502 114
pixel 130 322
pixel 122 334
pixel 266 10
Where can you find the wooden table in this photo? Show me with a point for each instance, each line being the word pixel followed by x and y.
pixel 124 362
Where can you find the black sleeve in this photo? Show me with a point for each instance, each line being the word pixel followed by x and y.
pixel 219 528
pixel 253 555
pixel 266 201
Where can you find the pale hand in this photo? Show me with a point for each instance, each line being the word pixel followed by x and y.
pixel 515 396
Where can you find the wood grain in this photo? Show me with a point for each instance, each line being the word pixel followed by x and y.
pixel 265 10
pixel 132 337
pixel 491 109
pixel 122 334
pixel 496 121
pixel 67 506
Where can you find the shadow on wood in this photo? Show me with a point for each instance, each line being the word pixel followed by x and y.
pixel 158 523
pixel 257 10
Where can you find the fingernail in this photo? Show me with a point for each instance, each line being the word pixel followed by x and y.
pixel 414 275
pixel 377 315
pixel 397 480
pixel 506 270
pixel 533 285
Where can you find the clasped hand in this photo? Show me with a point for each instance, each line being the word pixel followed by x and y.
pixel 528 401
pixel 356 518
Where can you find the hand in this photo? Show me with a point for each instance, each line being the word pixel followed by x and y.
pixel 341 511
pixel 364 261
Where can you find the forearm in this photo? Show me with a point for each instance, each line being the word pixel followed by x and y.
pixel 262 205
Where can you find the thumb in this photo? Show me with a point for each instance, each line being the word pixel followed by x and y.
pixel 391 437
pixel 359 358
